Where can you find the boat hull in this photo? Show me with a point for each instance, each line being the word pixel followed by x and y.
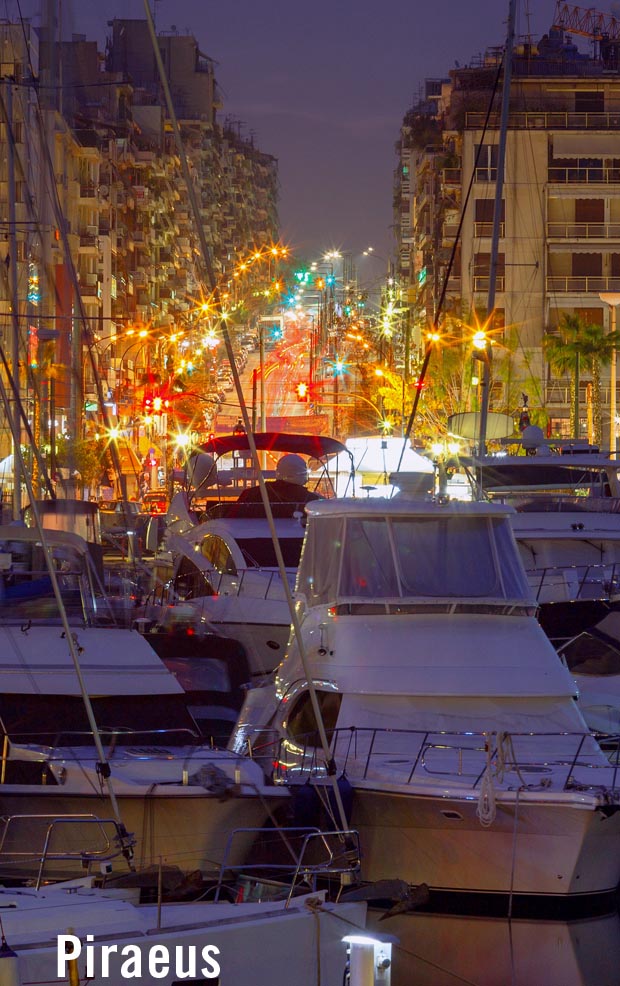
pixel 184 828
pixel 532 849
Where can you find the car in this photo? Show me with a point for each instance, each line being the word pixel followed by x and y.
pixel 155 502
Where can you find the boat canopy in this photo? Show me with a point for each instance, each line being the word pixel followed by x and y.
pixel 353 554
pixel 314 446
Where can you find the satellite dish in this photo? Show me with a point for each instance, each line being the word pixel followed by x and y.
pixel 467 425
pixel 202 472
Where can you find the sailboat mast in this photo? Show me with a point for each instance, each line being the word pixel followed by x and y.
pixel 12 272
pixel 497 215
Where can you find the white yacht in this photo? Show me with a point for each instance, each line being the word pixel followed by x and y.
pixel 447 707
pixel 178 797
pixel 567 526
pixel 223 571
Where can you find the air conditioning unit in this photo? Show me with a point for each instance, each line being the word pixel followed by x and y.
pixel 92 230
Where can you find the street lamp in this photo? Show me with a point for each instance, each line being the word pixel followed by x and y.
pixel 612 298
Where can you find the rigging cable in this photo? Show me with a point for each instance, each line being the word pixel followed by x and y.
pixel 430 344
pixel 208 265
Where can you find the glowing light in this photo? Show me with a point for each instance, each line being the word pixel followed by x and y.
pixel 182 440
pixel 479 339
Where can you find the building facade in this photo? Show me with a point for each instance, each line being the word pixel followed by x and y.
pixel 559 247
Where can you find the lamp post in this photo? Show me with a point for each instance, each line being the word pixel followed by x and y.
pixel 612 298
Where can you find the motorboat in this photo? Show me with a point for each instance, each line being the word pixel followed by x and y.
pixel 177 795
pixel 567 525
pixel 446 706
pixel 223 571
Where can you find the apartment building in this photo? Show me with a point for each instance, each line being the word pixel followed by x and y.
pixel 559 247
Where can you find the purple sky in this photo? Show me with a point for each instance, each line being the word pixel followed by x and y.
pixel 324 86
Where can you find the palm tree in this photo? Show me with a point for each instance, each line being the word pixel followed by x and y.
pixel 580 343
pixel 563 353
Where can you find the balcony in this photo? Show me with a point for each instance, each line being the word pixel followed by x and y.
pixel 451 176
pixel 481 282
pixel 550 120
pixel 486 230
pixel 584 176
pixel 582 285
pixel 583 231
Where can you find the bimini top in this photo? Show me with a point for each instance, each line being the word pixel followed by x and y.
pixel 372 550
pixel 315 446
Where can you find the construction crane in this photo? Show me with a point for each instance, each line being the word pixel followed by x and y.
pixel 586 21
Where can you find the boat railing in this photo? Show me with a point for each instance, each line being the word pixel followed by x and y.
pixel 313 854
pixel 243 582
pixel 549 502
pixel 57 745
pixel 570 583
pixel 107 841
pixel 558 760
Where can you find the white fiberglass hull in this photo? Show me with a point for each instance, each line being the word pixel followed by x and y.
pixel 560 846
pixel 183 827
pixel 251 942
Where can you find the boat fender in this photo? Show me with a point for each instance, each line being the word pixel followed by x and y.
pixel 306 805
pixel 9 965
pixel 308 808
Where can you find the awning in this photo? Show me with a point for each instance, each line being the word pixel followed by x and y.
pixel 586 145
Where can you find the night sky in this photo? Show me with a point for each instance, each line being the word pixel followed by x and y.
pixel 323 86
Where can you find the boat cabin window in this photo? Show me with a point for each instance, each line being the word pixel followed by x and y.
pixel 127 720
pixel 26 587
pixel 301 724
pixel 592 655
pixel 217 552
pixel 190 582
pixel 259 552
pixel 402 556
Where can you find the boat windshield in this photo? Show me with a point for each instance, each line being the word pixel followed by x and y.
pixel 26 587
pixel 440 557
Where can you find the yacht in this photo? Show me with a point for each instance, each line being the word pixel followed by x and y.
pixel 447 708
pixel 223 573
pixel 567 525
pixel 177 796
pixel 223 570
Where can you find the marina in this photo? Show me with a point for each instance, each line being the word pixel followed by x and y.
pixel 309 576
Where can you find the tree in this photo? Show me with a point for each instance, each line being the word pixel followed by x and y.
pixel 581 344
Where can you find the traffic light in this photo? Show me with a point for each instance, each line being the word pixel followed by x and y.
pixel 302 391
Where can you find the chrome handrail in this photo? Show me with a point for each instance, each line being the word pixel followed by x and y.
pixel 346 860
pixel 86 856
pixel 350 744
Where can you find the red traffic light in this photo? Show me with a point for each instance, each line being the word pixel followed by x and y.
pixel 302 391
